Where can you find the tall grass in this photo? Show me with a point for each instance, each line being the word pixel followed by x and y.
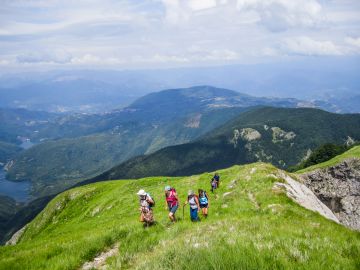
pixel 271 232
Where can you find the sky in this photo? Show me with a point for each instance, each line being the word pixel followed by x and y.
pixel 137 34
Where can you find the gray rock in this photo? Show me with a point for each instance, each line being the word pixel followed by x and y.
pixel 16 236
pixel 339 188
pixel 304 196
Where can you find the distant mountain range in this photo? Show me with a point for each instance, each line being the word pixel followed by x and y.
pixel 72 148
pixel 87 145
pixel 280 136
pixel 95 91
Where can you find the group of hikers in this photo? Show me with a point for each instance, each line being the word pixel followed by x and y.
pixel 197 202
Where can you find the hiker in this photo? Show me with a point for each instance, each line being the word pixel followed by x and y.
pixel 193 201
pixel 217 179
pixel 204 202
pixel 146 204
pixel 172 202
pixel 215 182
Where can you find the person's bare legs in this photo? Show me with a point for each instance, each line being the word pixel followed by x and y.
pixel 204 212
pixel 171 216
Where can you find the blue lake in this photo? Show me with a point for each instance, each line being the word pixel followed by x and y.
pixel 19 191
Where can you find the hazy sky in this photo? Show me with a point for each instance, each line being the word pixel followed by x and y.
pixel 171 33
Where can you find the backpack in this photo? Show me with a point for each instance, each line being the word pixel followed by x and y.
pixel 151 204
pixel 171 199
pixel 192 201
pixel 203 199
pixel 145 203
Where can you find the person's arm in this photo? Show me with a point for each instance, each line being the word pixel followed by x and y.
pixel 197 202
pixel 149 200
pixel 166 203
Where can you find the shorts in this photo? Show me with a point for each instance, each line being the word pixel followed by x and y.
pixel 173 209
pixel 204 205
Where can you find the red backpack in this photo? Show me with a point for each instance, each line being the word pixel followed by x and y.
pixel 171 199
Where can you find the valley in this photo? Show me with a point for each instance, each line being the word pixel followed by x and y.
pixel 179 134
pixel 174 132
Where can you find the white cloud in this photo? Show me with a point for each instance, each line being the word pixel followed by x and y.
pixel 353 41
pixel 201 4
pixel 173 32
pixel 59 57
pixel 310 47
pixel 279 15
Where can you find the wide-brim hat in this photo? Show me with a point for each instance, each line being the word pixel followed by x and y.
pixel 190 192
pixel 141 192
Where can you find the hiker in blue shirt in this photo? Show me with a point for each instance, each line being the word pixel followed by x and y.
pixel 204 202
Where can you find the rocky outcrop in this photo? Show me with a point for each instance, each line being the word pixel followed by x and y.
pixel 16 237
pixel 303 196
pixel 280 135
pixel 339 188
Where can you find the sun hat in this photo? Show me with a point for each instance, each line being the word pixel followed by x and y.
pixel 141 192
pixel 190 192
pixel 167 188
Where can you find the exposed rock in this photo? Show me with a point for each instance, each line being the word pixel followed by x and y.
pixel 307 155
pixel 232 183
pixel 339 188
pixel 8 165
pixel 227 194
pixel 275 208
pixel 304 196
pixel 193 122
pixel 253 200
pixel 235 138
pixel 262 156
pixel 16 236
pixel 279 135
pixel 349 141
pixel 250 134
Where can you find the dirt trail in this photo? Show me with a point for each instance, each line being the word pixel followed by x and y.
pixel 99 262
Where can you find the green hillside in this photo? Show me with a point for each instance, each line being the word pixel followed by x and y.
pixel 281 136
pixel 8 151
pixel 8 208
pixel 79 146
pixel 250 226
pixel 54 166
pixel 352 153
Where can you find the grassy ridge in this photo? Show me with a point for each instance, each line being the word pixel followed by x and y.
pixel 251 227
pixel 353 152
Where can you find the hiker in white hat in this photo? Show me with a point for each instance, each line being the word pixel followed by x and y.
pixel 146 204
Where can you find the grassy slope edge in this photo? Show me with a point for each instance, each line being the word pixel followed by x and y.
pixel 249 227
pixel 351 153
